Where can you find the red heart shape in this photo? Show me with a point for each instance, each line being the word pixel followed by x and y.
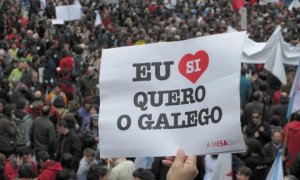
pixel 193 66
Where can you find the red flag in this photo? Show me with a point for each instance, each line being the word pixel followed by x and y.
pixel 252 2
pixel 237 4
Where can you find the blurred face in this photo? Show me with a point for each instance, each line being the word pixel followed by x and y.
pixel 1 107
pixel 276 137
pixel 256 118
pixel 93 111
pixel 34 77
pixel 27 158
pixel 90 159
pixel 94 123
pixel 60 129
pixel 56 90
pixel 240 176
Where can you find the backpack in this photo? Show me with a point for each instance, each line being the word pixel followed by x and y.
pixel 67 87
pixel 23 128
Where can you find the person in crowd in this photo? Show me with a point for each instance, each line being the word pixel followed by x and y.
pixel 292 131
pixel 56 92
pixel 85 163
pixel 143 174
pixel 49 168
pixel 97 172
pixel 7 135
pixel 67 142
pixel 258 129
pixel 244 173
pixel 255 104
pixel 256 161
pixel 245 88
pixel 42 131
pixel 23 122
pixel 90 134
pixel 13 163
pixel 295 168
pixel 26 172
pixel 93 111
pixel 121 169
pixel 2 165
pixel 89 82
pixel 67 164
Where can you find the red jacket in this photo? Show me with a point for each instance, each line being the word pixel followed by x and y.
pixel 66 63
pixel 49 170
pixel 11 169
pixel 293 140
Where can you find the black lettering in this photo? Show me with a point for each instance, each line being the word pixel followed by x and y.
pixel 142 72
pixel 140 100
pixel 158 71
pixel 197 93
pixel 162 120
pixel 175 117
pixel 187 96
pixel 173 97
pixel 120 120
pixel 191 118
pixel 147 124
pixel 219 116
pixel 205 117
pixel 160 98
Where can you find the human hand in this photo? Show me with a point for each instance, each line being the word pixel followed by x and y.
pixel 183 167
pixel 19 161
pixel 256 134
pixel 261 129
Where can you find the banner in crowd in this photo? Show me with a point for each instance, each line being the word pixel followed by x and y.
pixel 69 12
pixel 160 97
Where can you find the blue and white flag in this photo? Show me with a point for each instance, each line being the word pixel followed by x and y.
pixel 98 19
pixel 294 103
pixel 276 172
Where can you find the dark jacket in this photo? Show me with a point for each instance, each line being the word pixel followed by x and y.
pixel 258 166
pixel 69 143
pixel 264 137
pixel 42 133
pixel 7 135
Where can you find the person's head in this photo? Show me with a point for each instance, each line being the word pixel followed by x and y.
pixel 43 156
pixel 275 120
pixel 284 98
pixel 67 161
pixel 256 117
pixel 59 102
pixel 94 109
pixel 276 137
pixel 143 174
pixel 94 120
pixel 20 104
pixel 2 104
pixel 56 89
pixel 46 110
pixel 257 96
pixel 26 171
pixel 89 154
pixel 97 172
pixel 34 76
pixel 62 127
pixel 21 66
pixel 244 173
pixel 254 146
pixel 296 116
pixel 90 71
pixel 24 153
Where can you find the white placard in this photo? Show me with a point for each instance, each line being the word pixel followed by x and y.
pixel 58 21
pixel 157 98
pixel 111 1
pixel 69 12
pixel 243 12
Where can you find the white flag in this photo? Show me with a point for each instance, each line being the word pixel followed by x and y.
pixel 294 4
pixel 223 170
pixel 276 172
pixel 98 19
pixel 294 104
pixel 274 60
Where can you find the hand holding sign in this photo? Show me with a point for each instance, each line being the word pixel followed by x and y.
pixel 183 168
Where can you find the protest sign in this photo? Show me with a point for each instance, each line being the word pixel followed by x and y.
pixel 57 21
pixel 69 12
pixel 157 98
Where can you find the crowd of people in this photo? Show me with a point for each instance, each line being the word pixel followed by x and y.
pixel 49 87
